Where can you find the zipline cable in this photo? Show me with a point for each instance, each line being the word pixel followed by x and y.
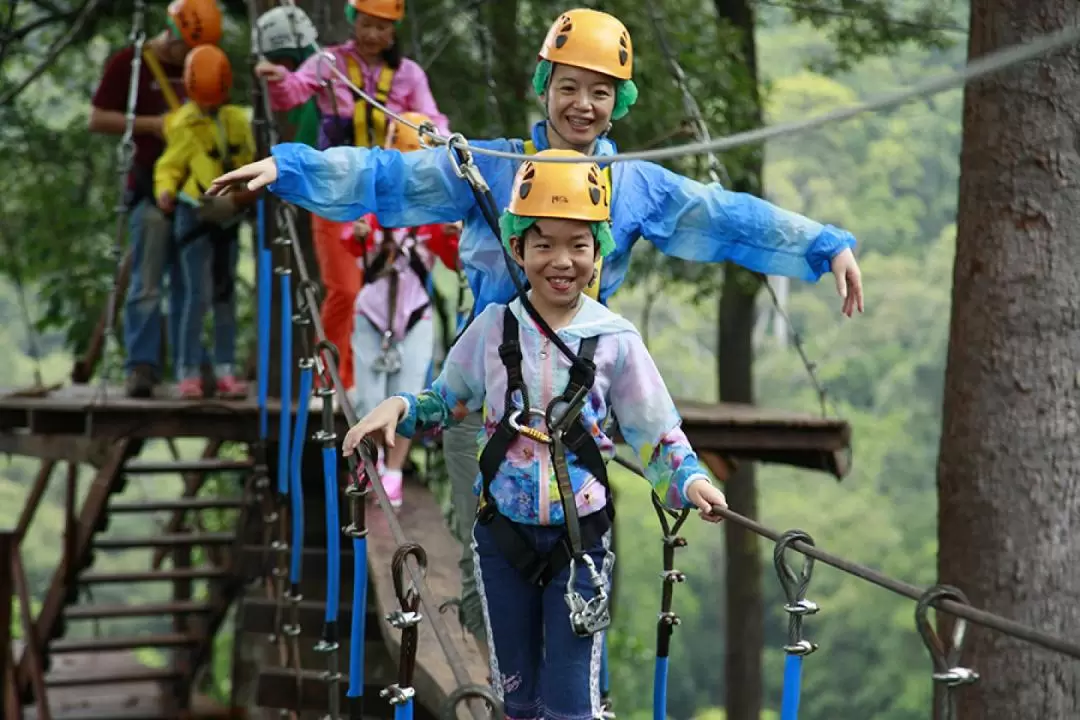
pixel 967 612
pixel 985 65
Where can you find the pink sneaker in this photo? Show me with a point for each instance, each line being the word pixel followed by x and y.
pixel 229 386
pixel 391 480
pixel 190 388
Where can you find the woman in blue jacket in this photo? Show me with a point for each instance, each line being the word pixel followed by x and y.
pixel 584 76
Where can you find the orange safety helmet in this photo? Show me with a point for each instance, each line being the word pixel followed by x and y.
pixel 574 191
pixel 400 136
pixel 207 75
pixel 385 9
pixel 197 22
pixel 592 40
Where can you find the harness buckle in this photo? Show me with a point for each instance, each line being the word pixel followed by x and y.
pixel 389 360
pixel 588 617
pixel 513 420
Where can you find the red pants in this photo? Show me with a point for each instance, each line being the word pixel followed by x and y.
pixel 342 280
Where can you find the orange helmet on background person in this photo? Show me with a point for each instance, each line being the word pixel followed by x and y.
pixel 400 136
pixel 197 22
pixel 592 40
pixel 386 9
pixel 207 76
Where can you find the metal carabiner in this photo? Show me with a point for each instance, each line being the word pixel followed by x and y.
pixel 588 617
pixel 514 421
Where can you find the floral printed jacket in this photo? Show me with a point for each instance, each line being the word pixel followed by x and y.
pixel 627 384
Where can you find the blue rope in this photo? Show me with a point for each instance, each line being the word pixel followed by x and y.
pixel 660 674
pixel 789 705
pixel 333 534
pixel 404 711
pixel 263 319
pixel 359 613
pixel 286 384
pixel 296 486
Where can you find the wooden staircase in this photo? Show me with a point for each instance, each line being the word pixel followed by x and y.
pixel 102 674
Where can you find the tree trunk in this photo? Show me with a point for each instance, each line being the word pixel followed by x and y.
pixel 1009 463
pixel 511 83
pixel 745 614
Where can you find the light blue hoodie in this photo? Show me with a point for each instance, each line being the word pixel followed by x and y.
pixel 681 217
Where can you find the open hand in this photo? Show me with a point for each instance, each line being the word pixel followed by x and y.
pixel 384 418
pixel 256 175
pixel 848 281
pixel 705 495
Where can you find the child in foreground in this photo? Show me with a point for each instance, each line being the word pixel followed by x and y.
pixel 544 664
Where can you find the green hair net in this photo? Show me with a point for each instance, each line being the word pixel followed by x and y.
pixel 512 226
pixel 626 92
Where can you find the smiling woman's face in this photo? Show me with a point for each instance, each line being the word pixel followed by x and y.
pixel 579 104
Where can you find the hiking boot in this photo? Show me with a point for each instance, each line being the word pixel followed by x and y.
pixel 140 382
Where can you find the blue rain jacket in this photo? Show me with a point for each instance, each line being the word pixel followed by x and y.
pixel 682 217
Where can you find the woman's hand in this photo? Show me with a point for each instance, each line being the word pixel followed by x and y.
pixel 257 175
pixel 384 417
pixel 848 281
pixel 705 495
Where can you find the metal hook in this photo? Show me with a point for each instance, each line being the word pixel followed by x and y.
pixel 794 585
pixel 409 599
pixel 326 381
pixel 302 288
pixel 665 514
pixel 464 693
pixel 946 660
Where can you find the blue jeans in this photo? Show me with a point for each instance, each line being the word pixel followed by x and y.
pixel 201 292
pixel 539 666
pixel 153 257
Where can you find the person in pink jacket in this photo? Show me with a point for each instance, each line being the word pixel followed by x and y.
pixel 373 62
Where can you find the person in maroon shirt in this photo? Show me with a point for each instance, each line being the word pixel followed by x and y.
pixel 160 91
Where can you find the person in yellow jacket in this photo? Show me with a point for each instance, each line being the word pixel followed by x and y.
pixel 205 137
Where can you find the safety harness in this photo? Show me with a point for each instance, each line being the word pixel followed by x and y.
pixel 567 433
pixel 389 360
pixel 369 123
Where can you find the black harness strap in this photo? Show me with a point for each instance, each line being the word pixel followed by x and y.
pixel 539 568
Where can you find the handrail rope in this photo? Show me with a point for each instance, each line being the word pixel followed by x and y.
pixel 718 174
pixel 667 619
pixel 797 607
pixel 992 62
pixel 960 610
pixel 287 214
pixel 329 643
pixel 125 153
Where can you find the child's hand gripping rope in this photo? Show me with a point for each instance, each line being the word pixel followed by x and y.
pixel 384 417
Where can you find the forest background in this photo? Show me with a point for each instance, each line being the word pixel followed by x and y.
pixel 890 178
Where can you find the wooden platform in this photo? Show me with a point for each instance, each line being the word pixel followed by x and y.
pixel 82 414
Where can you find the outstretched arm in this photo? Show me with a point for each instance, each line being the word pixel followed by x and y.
pixel 706 223
pixel 649 423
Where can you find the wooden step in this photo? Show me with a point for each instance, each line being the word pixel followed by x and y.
pixel 278 688
pixel 194 503
pixel 109 644
pixel 131 675
pixel 106 612
pixel 156 467
pixel 169 575
pixel 259 614
pixel 313 560
pixel 168 541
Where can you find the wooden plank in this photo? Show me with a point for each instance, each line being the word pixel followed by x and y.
pixel 259 615
pixel 281 689
pixel 70 449
pixel 422 521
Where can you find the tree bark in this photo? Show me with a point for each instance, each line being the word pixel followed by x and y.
pixel 1009 462
pixel 745 616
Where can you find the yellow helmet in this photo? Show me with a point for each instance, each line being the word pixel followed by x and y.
pixel 592 40
pixel 400 136
pixel 385 9
pixel 572 191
